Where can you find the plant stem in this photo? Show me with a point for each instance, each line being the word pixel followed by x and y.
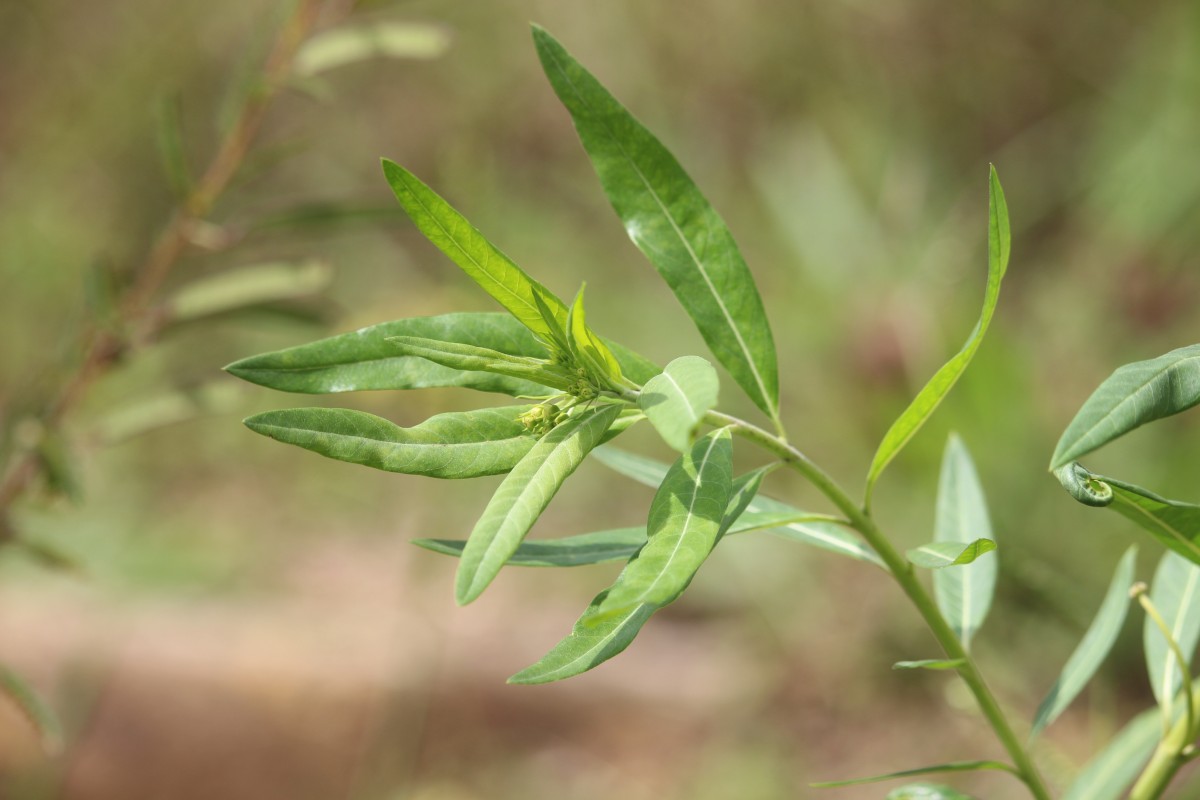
pixel 1171 754
pixel 905 576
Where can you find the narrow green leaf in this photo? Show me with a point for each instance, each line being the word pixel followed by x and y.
pixel 927 791
pixel 247 286
pixel 676 401
pixel 480 259
pixel 672 224
pixel 1093 648
pixel 466 444
pixel 1175 592
pixel 1111 770
pixel 150 412
pixel 953 766
pixel 939 555
pixel 587 349
pixel 1132 396
pixel 471 358
pixel 804 527
pixel 963 595
pixel 524 494
pixel 618 544
pixel 40 716
pixel 349 44
pixel 931 663
pixel 928 399
pixel 169 130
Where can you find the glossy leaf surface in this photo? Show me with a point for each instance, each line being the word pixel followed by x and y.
pixel 1111 770
pixel 670 221
pixel 1132 396
pixel 939 555
pixel 1094 646
pixel 524 494
pixel 1175 592
pixel 495 272
pixel 931 396
pixel 954 766
pixel 676 401
pixel 471 358
pixel 466 444
pixel 964 594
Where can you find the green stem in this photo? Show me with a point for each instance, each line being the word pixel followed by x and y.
pixel 903 573
pixel 1171 754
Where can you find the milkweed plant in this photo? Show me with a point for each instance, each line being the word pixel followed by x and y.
pixel 579 390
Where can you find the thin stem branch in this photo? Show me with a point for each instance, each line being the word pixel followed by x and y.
pixel 1172 752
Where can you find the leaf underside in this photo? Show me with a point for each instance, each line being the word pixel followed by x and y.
pixel 676 401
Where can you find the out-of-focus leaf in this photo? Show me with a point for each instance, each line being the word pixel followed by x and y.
pixel 1111 770
pixel 349 44
pixel 143 415
pixel 1093 648
pixel 938 555
pixel 963 595
pixel 672 223
pixel 1175 592
pixel 470 358
pixel 59 465
pixel 324 215
pixel 247 286
pixel 931 396
pixel 40 716
pixel 927 791
pixel 676 401
pixel 169 129
pixel 931 663
pixel 524 494
pixel 475 255
pixel 618 544
pixel 461 444
pixel 953 766
pixel 1132 396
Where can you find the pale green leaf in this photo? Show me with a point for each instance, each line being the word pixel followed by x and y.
pixel 587 349
pixel 963 595
pixel 480 259
pixel 931 663
pixel 466 444
pixel 931 396
pixel 349 44
pixel 672 223
pixel 953 766
pixel 1111 770
pixel 471 358
pixel 676 401
pixel 939 555
pixel 1175 592
pixel 137 416
pixel 1094 646
pixel 1132 396
pixel 927 791
pixel 524 494
pixel 247 286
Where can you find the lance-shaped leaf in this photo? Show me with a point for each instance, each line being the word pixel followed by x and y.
pixel 931 396
pixel 672 223
pixel 953 766
pixel 524 494
pixel 1175 592
pixel 588 350
pixel 470 358
pixel 465 444
pixel 1132 396
pixel 939 555
pixel 676 401
pixel 931 663
pixel 495 272
pixel 598 547
pixel 348 44
pixel 805 527
pixel 963 595
pixel 1111 770
pixel 40 716
pixel 927 791
pixel 1093 648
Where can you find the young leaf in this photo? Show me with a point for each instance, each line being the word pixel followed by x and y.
pixel 939 555
pixel 1175 592
pixel 347 44
pixel 480 259
pixel 587 349
pixel 465 444
pixel 1111 770
pixel 963 595
pixel 524 494
pixel 1093 648
pixel 672 224
pixel 954 766
pixel 676 401
pixel 470 358
pixel 931 663
pixel 684 525
pixel 928 399
pixel 618 544
pixel 1132 396
pixel 927 791
pixel 40 716
pixel 248 286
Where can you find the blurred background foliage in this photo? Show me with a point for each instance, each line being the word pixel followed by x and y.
pixel 247 620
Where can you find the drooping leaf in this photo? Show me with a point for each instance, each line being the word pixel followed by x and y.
pixel 672 223
pixel 349 44
pixel 1093 648
pixel 676 401
pixel 805 527
pixel 963 595
pixel 931 663
pixel 931 396
pixel 953 766
pixel 1175 592
pixel 618 544
pixel 939 555
pixel 470 358
pixel 35 710
pixel 1132 396
pixel 524 494
pixel 480 259
pixel 461 444
pixel 1111 770
pixel 927 791
pixel 588 350
pixel 247 286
